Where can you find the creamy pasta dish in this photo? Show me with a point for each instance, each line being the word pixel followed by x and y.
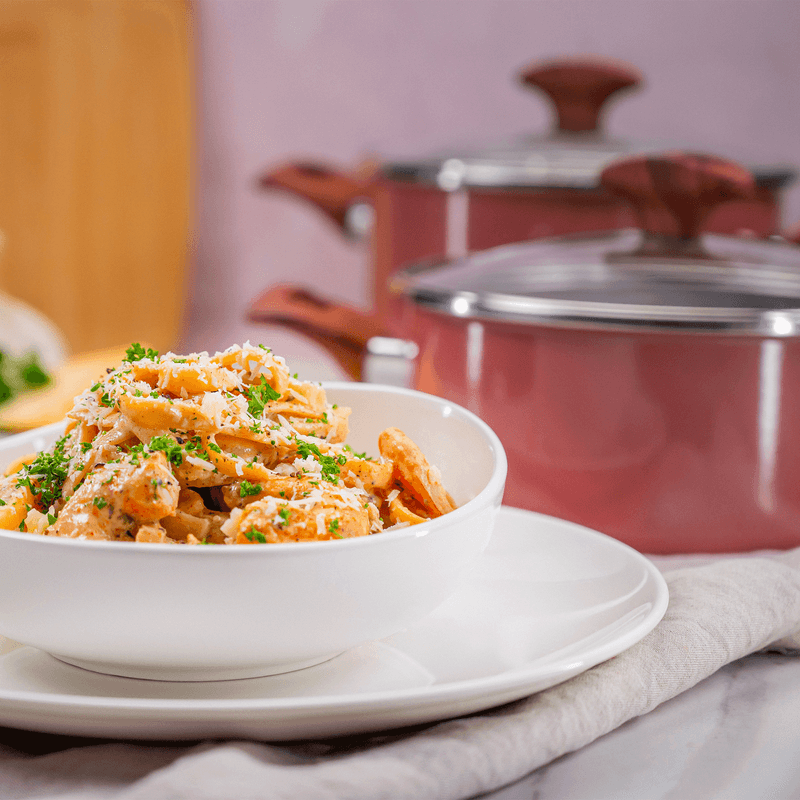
pixel 215 449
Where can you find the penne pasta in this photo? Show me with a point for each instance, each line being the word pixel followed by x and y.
pixel 227 448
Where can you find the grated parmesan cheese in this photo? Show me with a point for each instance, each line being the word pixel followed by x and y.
pixel 199 462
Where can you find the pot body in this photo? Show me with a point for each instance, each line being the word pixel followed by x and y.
pixel 672 443
pixel 415 221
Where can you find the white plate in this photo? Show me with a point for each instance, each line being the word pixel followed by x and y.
pixel 548 600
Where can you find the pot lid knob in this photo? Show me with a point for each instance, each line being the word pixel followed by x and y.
pixel 673 193
pixel 579 87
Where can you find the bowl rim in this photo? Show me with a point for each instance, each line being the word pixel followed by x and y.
pixel 492 488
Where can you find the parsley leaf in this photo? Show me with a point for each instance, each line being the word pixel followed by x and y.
pixel 330 464
pixel 171 449
pixel 247 489
pixel 136 352
pixel 258 395
pixel 256 536
pixel 45 475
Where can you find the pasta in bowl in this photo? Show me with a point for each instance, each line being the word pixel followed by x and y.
pixel 357 534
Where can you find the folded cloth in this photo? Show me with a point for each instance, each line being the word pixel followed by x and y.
pixel 718 612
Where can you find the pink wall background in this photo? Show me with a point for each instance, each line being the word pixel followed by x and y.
pixel 341 79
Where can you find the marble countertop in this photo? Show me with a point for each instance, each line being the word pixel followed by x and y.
pixel 734 736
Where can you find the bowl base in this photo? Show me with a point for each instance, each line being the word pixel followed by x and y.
pixel 191 674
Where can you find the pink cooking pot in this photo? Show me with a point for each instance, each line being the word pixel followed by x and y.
pixel 454 203
pixel 643 381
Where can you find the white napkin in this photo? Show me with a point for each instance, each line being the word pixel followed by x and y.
pixel 718 612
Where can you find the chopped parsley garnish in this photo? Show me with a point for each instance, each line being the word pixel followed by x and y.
pixel 3 502
pixel 363 455
pixel 193 443
pixel 215 447
pixel 46 474
pixel 284 513
pixel 333 526
pixel 171 449
pixel 86 447
pixel 256 536
pixel 258 395
pixel 100 502
pixel 106 400
pixel 330 464
pixel 136 352
pixel 136 451
pixel 96 386
pixel 51 519
pixel 247 489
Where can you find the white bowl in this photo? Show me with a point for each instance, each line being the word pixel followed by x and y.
pixel 173 612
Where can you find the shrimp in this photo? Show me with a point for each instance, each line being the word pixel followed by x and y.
pixel 422 480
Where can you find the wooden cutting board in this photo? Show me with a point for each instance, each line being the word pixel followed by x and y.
pixel 95 164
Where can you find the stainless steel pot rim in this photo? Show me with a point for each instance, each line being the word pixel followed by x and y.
pixel 598 284
pixel 572 162
pixel 784 323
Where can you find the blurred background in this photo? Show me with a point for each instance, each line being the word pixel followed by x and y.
pixel 135 132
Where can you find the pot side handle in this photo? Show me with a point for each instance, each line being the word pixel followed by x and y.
pixel 580 87
pixel 332 191
pixel 673 193
pixel 340 329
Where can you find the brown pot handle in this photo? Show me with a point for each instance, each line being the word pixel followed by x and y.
pixel 332 191
pixel 342 330
pixel 673 193
pixel 579 87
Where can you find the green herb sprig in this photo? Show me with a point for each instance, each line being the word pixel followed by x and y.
pixel 136 353
pixel 330 464
pixel 258 395
pixel 247 489
pixel 46 474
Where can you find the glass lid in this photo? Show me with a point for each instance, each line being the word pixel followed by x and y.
pixel 573 154
pixel 665 276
